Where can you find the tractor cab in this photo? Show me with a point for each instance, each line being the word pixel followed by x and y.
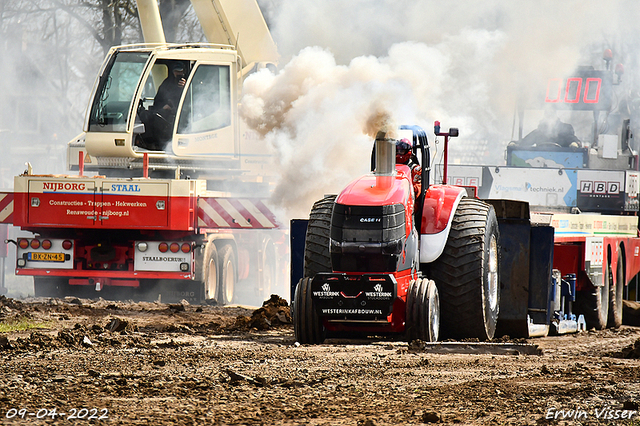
pixel 167 101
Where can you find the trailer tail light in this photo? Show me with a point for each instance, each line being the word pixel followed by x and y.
pixel 174 247
pixel 186 247
pixel 163 247
pixel 142 246
pixel 51 253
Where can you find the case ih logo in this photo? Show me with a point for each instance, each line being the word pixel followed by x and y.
pixel 369 219
pixel 63 186
pixel 599 187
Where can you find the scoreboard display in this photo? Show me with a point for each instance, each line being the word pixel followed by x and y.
pixel 588 90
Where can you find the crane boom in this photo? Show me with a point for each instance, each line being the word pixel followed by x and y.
pixel 150 21
pixel 238 23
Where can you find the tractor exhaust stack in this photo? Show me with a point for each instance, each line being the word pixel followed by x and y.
pixel 385 160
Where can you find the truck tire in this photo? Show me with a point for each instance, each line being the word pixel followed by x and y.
pixel 615 294
pixel 594 305
pixel 49 286
pixel 210 274
pixel 307 326
pixel 228 267
pixel 423 311
pixel 316 247
pixel 467 273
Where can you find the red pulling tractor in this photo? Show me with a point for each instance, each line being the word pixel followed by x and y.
pixel 379 259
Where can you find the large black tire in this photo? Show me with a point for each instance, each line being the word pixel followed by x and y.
pixel 423 311
pixel 316 248
pixel 467 273
pixel 228 275
pixel 615 294
pixel 210 274
pixel 307 326
pixel 594 305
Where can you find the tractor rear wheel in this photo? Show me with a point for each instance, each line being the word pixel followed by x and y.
pixel 467 273
pixel 423 311
pixel 307 325
pixel 316 248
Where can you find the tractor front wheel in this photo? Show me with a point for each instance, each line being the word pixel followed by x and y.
pixel 307 326
pixel 423 311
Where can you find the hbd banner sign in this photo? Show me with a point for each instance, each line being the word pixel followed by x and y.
pixel 600 190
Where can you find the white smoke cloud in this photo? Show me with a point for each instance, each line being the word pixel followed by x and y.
pixel 463 63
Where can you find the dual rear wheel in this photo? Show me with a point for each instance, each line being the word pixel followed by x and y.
pixel 220 273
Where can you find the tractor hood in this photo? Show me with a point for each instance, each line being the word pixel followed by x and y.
pixel 367 191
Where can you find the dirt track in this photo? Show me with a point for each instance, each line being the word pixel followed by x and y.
pixel 152 363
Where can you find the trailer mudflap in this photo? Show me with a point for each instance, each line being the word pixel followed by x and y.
pixel 363 297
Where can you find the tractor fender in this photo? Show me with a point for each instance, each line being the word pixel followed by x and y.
pixel 440 203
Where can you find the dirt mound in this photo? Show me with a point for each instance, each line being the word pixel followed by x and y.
pixel 631 351
pixel 10 307
pixel 77 337
pixel 631 313
pixel 274 313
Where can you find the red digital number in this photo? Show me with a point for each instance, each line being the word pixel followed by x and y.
pixel 571 84
pixel 554 86
pixel 587 90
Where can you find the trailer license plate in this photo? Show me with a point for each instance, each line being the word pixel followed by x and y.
pixel 46 257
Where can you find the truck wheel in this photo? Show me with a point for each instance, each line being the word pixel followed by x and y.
pixel 307 326
pixel 615 294
pixel 467 273
pixel 316 248
pixel 423 311
pixel 48 286
pixel 228 274
pixel 594 305
pixel 210 281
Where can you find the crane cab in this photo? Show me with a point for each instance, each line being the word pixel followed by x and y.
pixel 125 118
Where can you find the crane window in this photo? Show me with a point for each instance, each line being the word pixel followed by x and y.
pixel 207 103
pixel 116 87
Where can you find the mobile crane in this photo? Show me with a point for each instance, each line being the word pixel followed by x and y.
pixel 177 204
